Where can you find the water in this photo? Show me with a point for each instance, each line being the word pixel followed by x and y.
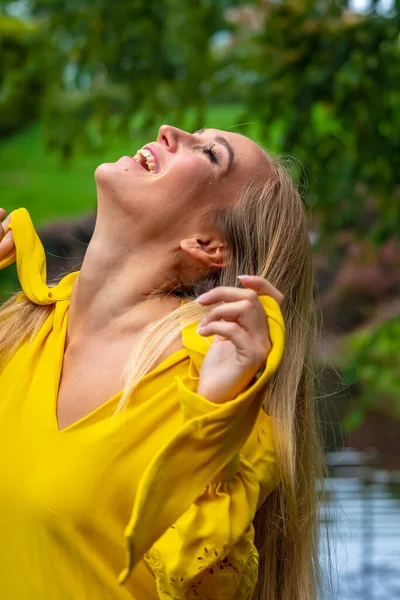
pixel 364 525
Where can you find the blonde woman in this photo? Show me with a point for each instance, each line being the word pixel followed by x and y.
pixel 157 428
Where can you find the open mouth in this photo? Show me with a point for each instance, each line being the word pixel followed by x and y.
pixel 147 160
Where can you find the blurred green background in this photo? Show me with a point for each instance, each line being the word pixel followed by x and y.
pixel 84 82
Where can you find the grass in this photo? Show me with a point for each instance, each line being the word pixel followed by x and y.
pixel 34 178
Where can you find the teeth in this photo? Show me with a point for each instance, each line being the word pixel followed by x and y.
pixel 147 155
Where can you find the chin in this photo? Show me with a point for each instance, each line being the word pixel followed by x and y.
pixel 104 173
pixel 108 181
pixel 114 186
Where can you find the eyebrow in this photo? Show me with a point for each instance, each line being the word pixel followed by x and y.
pixel 224 142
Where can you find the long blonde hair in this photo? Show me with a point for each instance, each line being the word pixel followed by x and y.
pixel 267 232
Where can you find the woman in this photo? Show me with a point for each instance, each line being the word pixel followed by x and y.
pixel 122 419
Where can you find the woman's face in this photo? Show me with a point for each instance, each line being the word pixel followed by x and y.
pixel 171 181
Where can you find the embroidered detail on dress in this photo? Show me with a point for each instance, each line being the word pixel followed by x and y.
pixel 231 577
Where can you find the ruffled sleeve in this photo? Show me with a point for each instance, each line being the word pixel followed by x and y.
pixel 31 262
pixel 192 519
pixel 209 552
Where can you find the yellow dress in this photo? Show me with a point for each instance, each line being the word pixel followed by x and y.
pixel 157 502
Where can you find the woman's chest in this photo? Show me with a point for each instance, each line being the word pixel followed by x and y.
pixel 92 376
pixel 87 381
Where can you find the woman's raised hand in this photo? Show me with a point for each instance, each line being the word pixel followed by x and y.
pixel 241 343
pixel 6 239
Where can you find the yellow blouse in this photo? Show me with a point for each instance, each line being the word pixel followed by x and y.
pixel 157 502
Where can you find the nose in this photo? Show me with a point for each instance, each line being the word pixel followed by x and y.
pixel 172 137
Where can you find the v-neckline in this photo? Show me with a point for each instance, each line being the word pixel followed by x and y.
pixel 61 324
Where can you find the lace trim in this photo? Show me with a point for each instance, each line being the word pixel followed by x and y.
pixel 233 577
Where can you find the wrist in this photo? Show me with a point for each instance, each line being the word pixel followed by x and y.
pixel 218 396
pixel 209 395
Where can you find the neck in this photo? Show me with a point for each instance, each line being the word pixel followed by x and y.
pixel 110 297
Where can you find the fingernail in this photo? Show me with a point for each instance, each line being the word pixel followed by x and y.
pixel 245 276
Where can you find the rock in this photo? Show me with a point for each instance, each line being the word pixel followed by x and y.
pixel 65 242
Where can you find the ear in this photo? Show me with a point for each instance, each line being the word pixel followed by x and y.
pixel 209 250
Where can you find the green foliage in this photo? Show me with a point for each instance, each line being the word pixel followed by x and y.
pixel 22 75
pixel 375 366
pixel 328 82
pixel 106 62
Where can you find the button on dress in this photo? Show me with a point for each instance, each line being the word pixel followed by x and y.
pixel 155 502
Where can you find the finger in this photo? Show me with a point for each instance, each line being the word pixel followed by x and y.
pixel 4 225
pixel 6 244
pixel 230 331
pixel 243 312
pixel 262 286
pixel 7 221
pixel 3 213
pixel 228 294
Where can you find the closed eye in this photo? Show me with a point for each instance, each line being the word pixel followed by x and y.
pixel 212 153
